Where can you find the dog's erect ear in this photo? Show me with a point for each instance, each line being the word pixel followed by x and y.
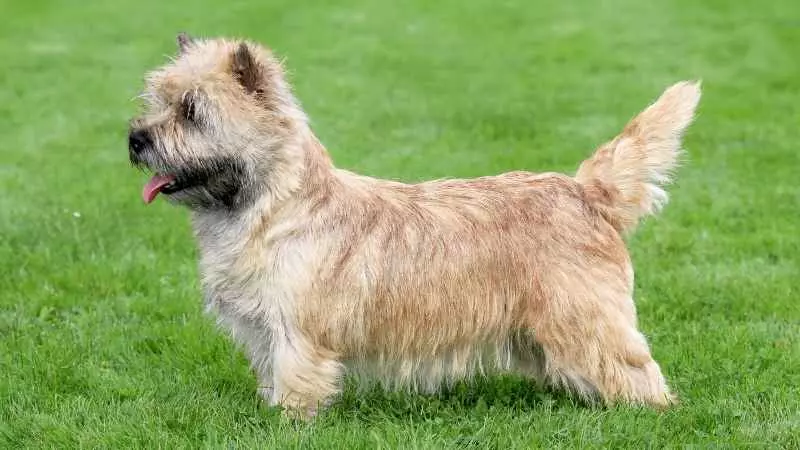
pixel 184 42
pixel 246 68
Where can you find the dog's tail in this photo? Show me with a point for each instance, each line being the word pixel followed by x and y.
pixel 624 179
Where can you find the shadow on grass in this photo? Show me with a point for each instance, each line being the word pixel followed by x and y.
pixel 474 397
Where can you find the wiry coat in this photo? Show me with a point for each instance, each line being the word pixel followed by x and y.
pixel 318 271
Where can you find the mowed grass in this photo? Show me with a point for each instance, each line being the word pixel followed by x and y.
pixel 102 338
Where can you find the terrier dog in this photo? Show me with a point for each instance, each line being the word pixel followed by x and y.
pixel 318 272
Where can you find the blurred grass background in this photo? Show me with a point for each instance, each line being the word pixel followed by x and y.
pixel 102 339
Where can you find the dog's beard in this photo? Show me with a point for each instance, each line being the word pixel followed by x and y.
pixel 215 182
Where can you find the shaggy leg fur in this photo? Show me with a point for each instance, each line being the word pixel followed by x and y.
pixel 305 378
pixel 591 346
pixel 529 357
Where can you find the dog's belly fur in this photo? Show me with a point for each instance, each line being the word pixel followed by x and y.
pixel 415 285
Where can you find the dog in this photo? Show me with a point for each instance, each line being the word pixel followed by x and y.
pixel 319 272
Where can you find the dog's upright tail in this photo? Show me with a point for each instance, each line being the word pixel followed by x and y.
pixel 625 177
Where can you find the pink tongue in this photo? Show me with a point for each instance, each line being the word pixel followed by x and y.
pixel 154 186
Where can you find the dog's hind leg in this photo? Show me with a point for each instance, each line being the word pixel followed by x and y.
pixel 591 346
pixel 529 358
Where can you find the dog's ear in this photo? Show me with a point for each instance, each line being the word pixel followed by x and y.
pixel 247 69
pixel 184 42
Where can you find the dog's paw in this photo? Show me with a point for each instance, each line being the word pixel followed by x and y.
pixel 305 410
pixel 267 393
pixel 302 413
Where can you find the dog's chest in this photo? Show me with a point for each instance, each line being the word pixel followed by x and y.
pixel 250 284
pixel 231 282
pixel 241 300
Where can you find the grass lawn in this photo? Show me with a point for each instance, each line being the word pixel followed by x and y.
pixel 102 338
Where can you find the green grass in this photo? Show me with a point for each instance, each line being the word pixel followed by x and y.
pixel 102 339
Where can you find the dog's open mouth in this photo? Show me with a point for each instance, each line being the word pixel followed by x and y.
pixel 215 177
pixel 160 183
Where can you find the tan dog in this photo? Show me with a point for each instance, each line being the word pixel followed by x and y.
pixel 318 271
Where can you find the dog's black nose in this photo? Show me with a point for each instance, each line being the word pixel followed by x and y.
pixel 138 140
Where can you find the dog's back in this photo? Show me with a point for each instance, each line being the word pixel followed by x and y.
pixel 436 281
pixel 439 280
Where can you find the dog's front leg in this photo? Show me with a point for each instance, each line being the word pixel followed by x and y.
pixel 256 339
pixel 266 381
pixel 305 377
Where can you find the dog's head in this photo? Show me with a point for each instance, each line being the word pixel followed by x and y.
pixel 216 118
